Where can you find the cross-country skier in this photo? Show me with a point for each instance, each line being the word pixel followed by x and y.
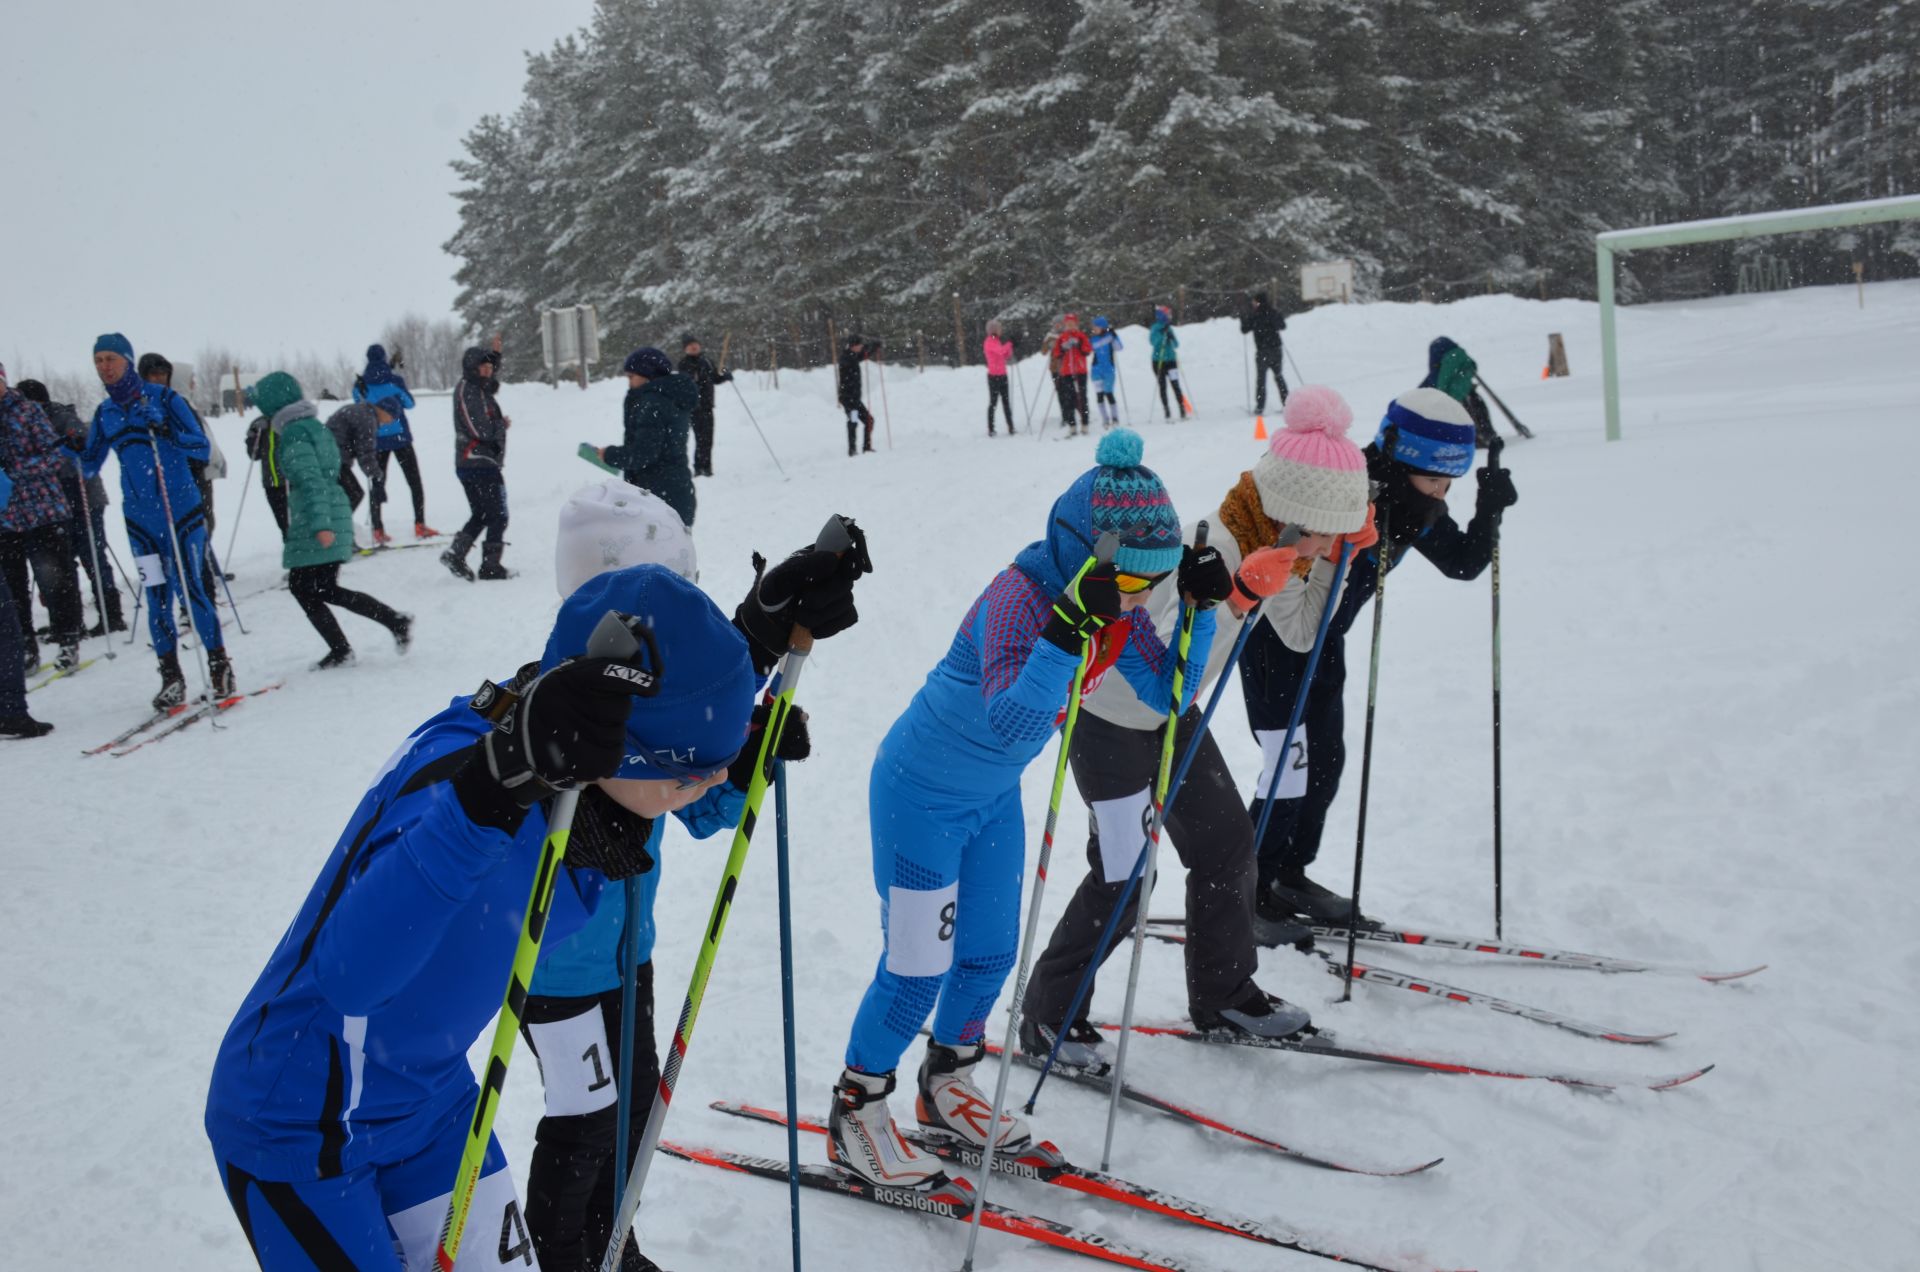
pixel 850 389
pixel 656 416
pixel 86 504
pixel 1106 343
pixel 699 368
pixel 1166 360
pixel 1265 323
pixel 1424 443
pixel 1452 370
pixel 319 537
pixel 154 432
pixel 356 433
pixel 573 1012
pixel 997 351
pixel 944 805
pixel 1313 478
pixel 1072 350
pixel 381 383
pixel 341 1095
pixel 33 525
pixel 479 461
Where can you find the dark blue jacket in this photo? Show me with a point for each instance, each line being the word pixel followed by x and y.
pixel 124 431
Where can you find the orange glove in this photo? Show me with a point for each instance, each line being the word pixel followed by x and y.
pixel 1360 540
pixel 1260 576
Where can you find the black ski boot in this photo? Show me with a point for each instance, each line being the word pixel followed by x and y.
pixel 23 726
pixel 1255 1013
pixel 220 671
pixel 342 657
pixel 455 557
pixel 490 567
pixel 403 633
pixel 1272 931
pixel 1294 893
pixel 173 685
pixel 1083 1050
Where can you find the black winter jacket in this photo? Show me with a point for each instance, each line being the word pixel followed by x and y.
pixel 1265 324
pixel 653 453
pixel 699 368
pixel 479 429
pixel 850 386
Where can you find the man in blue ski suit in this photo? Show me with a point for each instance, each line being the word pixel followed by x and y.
pixel 341 1094
pixel 155 432
pixel 948 833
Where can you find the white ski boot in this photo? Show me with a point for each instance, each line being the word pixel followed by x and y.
pixel 950 1104
pixel 862 1138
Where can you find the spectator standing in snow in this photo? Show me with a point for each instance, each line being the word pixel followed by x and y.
pixel 699 368
pixel 154 432
pixel 997 350
pixel 1062 387
pixel 1073 349
pixel 851 389
pixel 479 461
pixel 381 383
pixel 1424 443
pixel 87 502
pixel 652 453
pixel 1452 370
pixel 1106 343
pixel 1264 324
pixel 33 526
pixel 1166 359
pixel 319 535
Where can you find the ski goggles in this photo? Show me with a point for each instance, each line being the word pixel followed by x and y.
pixel 1134 584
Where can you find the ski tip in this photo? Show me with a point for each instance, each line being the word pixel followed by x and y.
pixel 1638 1039
pixel 1681 1079
pixel 1717 978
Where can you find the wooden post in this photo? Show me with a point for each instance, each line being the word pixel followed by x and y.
pixel 1556 355
pixel 959 335
pixel 579 337
pixel 1181 313
pixel 239 394
pixel 920 348
pixel 773 361
pixel 1860 281
pixel 725 340
pixel 833 344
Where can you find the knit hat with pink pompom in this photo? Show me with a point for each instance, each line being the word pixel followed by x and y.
pixel 1312 476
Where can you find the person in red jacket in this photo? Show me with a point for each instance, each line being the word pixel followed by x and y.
pixel 1074 351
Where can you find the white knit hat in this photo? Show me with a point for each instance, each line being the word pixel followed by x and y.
pixel 1312 476
pixel 613 525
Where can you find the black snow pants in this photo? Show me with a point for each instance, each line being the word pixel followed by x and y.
pixel 997 392
pixel 1270 676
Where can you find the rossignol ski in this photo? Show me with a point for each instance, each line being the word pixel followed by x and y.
pixel 1375 974
pixel 194 715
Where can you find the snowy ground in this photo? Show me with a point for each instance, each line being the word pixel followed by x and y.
pixel 1710 699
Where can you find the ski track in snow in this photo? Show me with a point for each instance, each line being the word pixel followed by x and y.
pixel 1710 740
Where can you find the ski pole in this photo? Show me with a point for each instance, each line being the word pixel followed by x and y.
pixel 1300 700
pixel 1512 419
pixel 221 574
pixel 1121 376
pixel 886 412
pixel 756 427
pixel 1366 753
pixel 611 638
pixel 629 1003
pixel 1290 535
pixel 245 487
pixel 835 537
pixel 1026 399
pixel 1246 375
pixel 786 1000
pixel 1103 553
pixel 1299 378
pixel 93 547
pixel 1046 413
pixel 1493 460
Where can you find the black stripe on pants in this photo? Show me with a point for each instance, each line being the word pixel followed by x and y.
pixel 1208 827
pixel 317 586
pixel 301 1223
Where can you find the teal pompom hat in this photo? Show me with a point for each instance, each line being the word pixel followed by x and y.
pixel 1129 500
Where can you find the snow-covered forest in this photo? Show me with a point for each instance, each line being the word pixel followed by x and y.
pixel 909 168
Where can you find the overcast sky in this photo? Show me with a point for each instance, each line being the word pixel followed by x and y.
pixel 271 177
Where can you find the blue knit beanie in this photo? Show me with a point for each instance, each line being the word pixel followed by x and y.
pixel 648 362
pixel 1130 501
pixel 1431 433
pixel 699 717
pixel 114 342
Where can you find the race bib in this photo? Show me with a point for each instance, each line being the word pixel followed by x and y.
pixel 495 1236
pixel 920 930
pixel 1122 824
pixel 1293 778
pixel 152 573
pixel 575 1063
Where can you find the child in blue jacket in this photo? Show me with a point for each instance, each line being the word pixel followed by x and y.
pixel 386 388
pixel 341 1093
pixel 1106 343
pixel 948 831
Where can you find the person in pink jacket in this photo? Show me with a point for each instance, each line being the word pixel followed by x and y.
pixel 998 350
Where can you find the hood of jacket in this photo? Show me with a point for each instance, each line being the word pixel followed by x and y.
pixel 1053 560
pixel 470 362
pixel 274 391
pixel 679 390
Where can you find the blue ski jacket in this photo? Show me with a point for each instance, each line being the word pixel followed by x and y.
pixel 395 434
pixel 124 431
pixel 989 707
pixel 1105 345
pixel 588 962
pixel 351 1048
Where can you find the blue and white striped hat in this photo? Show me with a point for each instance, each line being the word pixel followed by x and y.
pixel 1431 433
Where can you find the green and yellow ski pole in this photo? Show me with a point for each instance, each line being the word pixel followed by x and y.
pixel 611 639
pixel 834 538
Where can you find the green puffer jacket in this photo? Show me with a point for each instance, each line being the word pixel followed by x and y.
pixel 310 462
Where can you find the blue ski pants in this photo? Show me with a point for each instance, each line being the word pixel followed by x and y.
pixel 153 561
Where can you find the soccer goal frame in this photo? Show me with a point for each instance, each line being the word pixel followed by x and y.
pixel 1606 246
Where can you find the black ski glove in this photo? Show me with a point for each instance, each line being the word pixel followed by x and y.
pixel 1204 576
pixel 1090 602
pixel 1496 487
pixel 608 837
pixel 812 588
pixel 568 726
pixel 795 744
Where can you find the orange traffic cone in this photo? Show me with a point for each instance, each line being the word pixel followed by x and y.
pixel 1259 428
pixel 1546 371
